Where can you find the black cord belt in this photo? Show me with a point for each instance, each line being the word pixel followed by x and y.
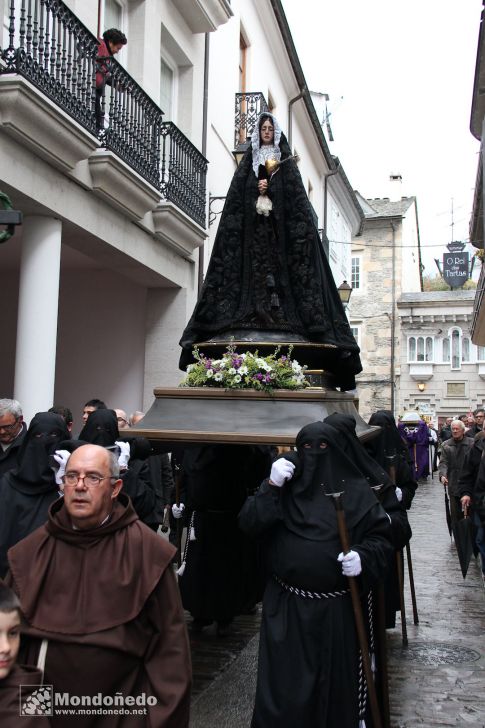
pixel 306 594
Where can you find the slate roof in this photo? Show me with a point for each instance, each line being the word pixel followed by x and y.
pixel 384 207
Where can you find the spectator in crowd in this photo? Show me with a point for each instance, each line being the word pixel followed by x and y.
pixel 14 677
pixel 445 432
pixel 12 433
pixel 27 491
pixel 112 42
pixel 471 491
pixel 135 417
pixel 122 417
pixel 91 406
pixel 477 426
pixel 96 588
pixel 64 412
pixel 453 454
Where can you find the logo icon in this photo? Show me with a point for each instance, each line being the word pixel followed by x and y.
pixel 36 699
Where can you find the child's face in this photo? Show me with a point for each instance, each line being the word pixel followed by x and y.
pixel 9 641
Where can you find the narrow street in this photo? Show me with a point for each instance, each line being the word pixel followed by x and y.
pixel 437 680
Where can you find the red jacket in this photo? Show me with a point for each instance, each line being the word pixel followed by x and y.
pixel 102 68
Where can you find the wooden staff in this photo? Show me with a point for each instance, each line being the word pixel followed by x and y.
pixel 178 482
pixel 399 562
pixel 358 615
pixel 382 643
pixel 166 519
pixel 411 583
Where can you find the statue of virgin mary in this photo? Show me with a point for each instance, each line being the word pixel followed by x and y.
pixel 268 281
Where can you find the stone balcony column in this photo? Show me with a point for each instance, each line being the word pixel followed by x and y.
pixel 35 361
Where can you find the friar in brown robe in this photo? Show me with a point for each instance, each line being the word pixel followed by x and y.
pixel 99 598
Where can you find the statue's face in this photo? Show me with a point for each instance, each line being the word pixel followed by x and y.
pixel 267 132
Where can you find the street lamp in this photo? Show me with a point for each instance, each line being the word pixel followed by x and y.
pixel 421 386
pixel 345 291
pixel 240 151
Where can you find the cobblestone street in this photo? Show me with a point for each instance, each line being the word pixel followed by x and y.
pixel 438 680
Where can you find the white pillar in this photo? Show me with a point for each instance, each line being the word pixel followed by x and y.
pixel 35 361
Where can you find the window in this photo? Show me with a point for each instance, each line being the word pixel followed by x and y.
pixel 355 280
pixel 355 329
pixel 465 349
pixel 420 348
pixel 455 336
pixel 166 90
pixel 446 351
pixel 480 353
pixel 243 58
pixel 113 15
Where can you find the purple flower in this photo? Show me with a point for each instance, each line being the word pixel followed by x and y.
pixel 258 376
pixel 284 358
pixel 208 364
pixel 267 378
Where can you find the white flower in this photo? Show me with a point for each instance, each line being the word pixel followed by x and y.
pixel 267 367
pixel 259 362
pixel 243 369
pixel 242 356
pixel 223 364
pixel 232 371
pixel 209 373
pixel 216 362
pixel 218 376
pixel 237 378
pixel 295 366
pixel 190 367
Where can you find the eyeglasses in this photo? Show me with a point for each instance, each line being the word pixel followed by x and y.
pixel 9 428
pixel 90 480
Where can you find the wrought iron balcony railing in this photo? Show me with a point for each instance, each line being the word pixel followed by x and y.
pixel 50 47
pixel 56 52
pixel 183 173
pixel 248 108
pixel 131 121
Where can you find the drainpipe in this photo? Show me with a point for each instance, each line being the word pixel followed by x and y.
pixel 290 121
pixel 325 194
pixel 200 280
pixel 393 314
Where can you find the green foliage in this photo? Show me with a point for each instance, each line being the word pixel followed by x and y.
pixel 245 371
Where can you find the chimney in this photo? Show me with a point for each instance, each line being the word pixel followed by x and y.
pixel 395 191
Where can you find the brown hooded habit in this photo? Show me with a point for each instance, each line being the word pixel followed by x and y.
pixel 107 601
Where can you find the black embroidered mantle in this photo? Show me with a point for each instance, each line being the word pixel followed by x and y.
pixel 270 274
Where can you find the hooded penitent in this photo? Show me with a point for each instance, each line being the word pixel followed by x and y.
pixel 27 492
pixel 375 475
pixel 307 612
pixel 389 450
pixel 269 275
pixel 101 428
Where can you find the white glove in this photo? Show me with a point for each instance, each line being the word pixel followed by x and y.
pixel 281 470
pixel 61 457
pixel 351 565
pixel 398 493
pixel 177 511
pixel 124 456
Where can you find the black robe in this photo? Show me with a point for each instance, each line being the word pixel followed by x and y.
pixel 221 577
pixel 270 275
pixel 27 492
pixel 308 671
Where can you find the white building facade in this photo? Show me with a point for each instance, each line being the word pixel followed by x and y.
pixel 442 371
pixel 100 280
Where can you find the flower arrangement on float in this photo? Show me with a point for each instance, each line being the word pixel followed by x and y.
pixel 246 371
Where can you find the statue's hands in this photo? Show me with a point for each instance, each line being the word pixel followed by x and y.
pixel 263 186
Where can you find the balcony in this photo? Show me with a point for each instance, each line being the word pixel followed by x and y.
pixel 248 108
pixel 49 103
